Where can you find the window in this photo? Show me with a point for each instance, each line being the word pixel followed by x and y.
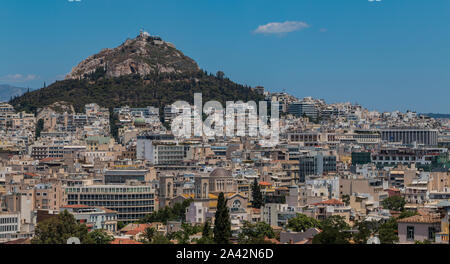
pixel 410 232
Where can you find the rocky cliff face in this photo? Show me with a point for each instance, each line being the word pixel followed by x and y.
pixel 143 55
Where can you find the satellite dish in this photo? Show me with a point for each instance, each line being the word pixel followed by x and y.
pixel 374 241
pixel 73 241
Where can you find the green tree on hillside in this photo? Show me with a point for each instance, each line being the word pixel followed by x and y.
pixel 220 75
pixel 113 121
pixel 39 128
pixel 155 89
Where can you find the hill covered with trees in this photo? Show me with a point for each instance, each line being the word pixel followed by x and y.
pixel 156 90
pixel 145 71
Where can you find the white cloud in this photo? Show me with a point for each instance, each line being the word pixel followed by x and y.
pixel 16 78
pixel 281 28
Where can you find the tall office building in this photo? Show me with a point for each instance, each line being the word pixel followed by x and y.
pixel 304 108
pixel 130 202
pixel 316 164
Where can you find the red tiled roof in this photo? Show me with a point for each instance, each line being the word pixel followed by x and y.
pixel 330 202
pixel 135 229
pixel 426 218
pixel 125 241
pixel 272 240
pixel 31 174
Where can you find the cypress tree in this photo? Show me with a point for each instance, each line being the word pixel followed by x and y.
pixel 257 195
pixel 39 128
pixel 222 223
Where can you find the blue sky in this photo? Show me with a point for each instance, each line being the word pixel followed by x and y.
pixel 388 55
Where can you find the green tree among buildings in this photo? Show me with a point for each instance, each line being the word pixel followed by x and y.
pixel 255 233
pixel 222 224
pixel 394 203
pixel 257 195
pixel 57 230
pixel 207 234
pixel 301 223
pixel 334 231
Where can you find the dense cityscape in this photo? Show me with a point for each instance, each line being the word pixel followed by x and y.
pixel 373 177
pixel 292 128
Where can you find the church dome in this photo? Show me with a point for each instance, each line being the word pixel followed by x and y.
pixel 220 172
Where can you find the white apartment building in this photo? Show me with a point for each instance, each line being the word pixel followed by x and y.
pixel 196 213
pixel 9 226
